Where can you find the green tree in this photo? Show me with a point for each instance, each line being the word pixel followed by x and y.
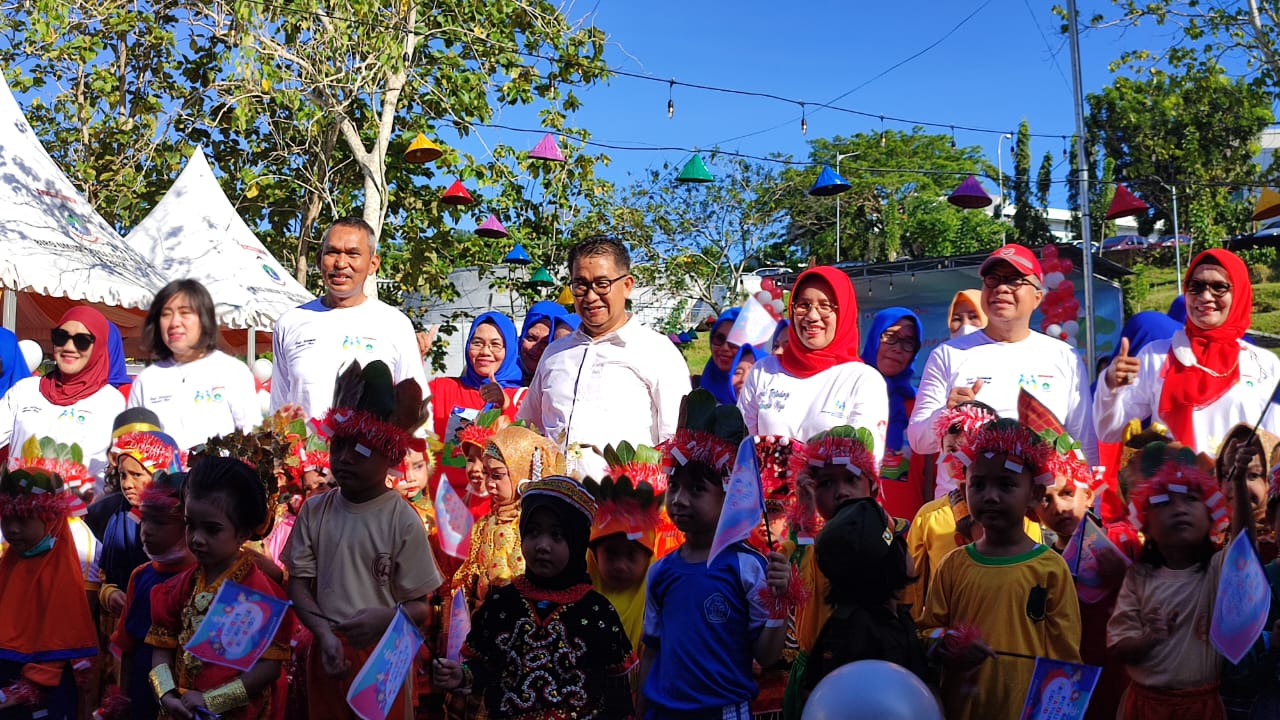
pixel 1197 131
pixel 897 205
pixel 1029 225
pixel 1044 180
pixel 696 240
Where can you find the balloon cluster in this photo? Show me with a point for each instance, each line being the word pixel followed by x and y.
pixel 1060 308
pixel 262 372
pixel 770 296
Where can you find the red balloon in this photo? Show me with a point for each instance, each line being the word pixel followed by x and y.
pixel 1073 308
pixel 1067 288
pixel 767 284
pixel 1049 252
pixel 711 320
pixel 1049 265
pixel 1065 266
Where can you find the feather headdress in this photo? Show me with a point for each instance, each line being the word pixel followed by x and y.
pixel 707 432
pixel 379 414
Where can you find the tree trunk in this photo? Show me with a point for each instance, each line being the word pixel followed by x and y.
pixel 315 201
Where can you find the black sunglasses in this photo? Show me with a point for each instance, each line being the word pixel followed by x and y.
pixel 82 341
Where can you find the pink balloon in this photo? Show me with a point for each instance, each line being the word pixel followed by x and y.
pixel 1065 266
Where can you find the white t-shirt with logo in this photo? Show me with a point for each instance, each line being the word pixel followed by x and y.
pixel 313 344
pixel 1045 367
pixel 214 395
pixel 1243 403
pixel 775 402
pixel 25 413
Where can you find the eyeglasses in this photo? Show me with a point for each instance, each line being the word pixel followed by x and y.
pixel 601 285
pixel 480 346
pixel 824 308
pixel 906 344
pixel 719 339
pixel 82 341
pixel 1014 282
pixel 1216 289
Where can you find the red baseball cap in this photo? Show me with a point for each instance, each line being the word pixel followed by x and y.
pixel 1021 258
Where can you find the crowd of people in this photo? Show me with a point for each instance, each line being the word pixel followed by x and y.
pixel 569 486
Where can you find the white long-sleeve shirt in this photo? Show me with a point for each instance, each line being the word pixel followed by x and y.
pixel 1045 367
pixel 775 402
pixel 25 413
pixel 1259 372
pixel 626 385
pixel 313 344
pixel 195 401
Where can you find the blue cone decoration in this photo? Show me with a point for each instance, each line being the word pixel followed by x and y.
pixel 829 183
pixel 518 256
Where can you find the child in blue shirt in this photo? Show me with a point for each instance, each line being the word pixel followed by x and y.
pixel 704 624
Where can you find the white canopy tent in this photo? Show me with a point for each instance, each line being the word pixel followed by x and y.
pixel 55 250
pixel 195 232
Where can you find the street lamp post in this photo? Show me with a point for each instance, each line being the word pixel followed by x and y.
pixel 1177 240
pixel 1000 180
pixel 839 157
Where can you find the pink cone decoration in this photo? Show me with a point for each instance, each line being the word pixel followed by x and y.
pixel 969 195
pixel 491 229
pixel 547 149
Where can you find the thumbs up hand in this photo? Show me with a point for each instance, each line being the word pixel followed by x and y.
pixel 493 394
pixel 960 395
pixel 1123 370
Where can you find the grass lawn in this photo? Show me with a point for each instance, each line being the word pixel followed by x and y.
pixel 1266 298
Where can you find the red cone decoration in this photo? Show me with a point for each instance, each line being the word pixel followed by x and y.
pixel 1125 204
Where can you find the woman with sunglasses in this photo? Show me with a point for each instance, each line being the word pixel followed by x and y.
pixel 1203 380
pixel 73 403
pixel 819 382
pixel 892 344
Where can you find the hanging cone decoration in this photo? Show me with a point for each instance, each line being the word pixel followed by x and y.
pixel 565 297
pixel 547 149
pixel 829 183
pixel 542 278
pixel 695 171
pixel 456 195
pixel 492 229
pixel 518 256
pixel 969 195
pixel 1125 204
pixel 1268 205
pixel 422 150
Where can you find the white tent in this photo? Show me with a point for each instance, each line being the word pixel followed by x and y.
pixel 53 245
pixel 195 232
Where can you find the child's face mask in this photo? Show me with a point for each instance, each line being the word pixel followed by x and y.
pixel 39 548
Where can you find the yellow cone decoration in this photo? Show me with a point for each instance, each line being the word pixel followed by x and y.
pixel 422 150
pixel 1268 205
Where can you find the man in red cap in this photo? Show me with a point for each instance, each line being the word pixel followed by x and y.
pixel 1006 357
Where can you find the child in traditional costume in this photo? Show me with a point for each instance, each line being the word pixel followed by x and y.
pixel 547 645
pixel 462 461
pixel 225 504
pixel 47 635
pixel 164 539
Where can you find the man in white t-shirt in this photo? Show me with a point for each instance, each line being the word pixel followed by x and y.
pixel 613 379
pixel 314 342
pixel 1007 356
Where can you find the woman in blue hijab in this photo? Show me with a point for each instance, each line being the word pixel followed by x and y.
pixel 1148 326
pixel 717 375
pixel 564 325
pixel 13 366
pixel 117 371
pixel 892 344
pixel 535 335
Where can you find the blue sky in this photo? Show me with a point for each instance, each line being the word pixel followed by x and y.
pixel 1005 63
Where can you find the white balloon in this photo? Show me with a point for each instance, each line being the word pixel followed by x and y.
pixel 871 689
pixel 1072 341
pixel 1071 327
pixel 262 370
pixel 764 297
pixel 778 306
pixel 32 353
pixel 1053 279
pixel 1054 330
pixel 264 402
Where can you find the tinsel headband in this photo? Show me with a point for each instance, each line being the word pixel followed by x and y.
pixel 967 418
pixel 628 500
pixel 1177 477
pixel 154 450
pixel 370 433
pixel 43 481
pixel 1022 449
pixel 687 446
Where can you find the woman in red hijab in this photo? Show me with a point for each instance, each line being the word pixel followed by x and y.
pixel 1206 378
pixel 73 403
pixel 818 382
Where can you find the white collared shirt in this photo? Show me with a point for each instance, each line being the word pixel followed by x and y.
pixel 1045 367
pixel 1243 403
pixel 626 385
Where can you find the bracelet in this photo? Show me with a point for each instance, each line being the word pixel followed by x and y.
pixel 104 593
pixel 227 697
pixel 162 683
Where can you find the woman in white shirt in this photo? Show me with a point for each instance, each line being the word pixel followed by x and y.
pixel 197 390
pixel 1206 378
pixel 73 404
pixel 818 382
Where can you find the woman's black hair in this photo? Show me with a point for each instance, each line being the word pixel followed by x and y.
pixel 237 488
pixel 201 302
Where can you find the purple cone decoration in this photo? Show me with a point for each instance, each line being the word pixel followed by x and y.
pixel 969 195
pixel 547 149
pixel 491 229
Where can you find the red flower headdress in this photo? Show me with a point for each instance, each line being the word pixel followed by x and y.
pixel 708 433
pixel 1173 468
pixel 628 500
pixel 44 480
pixel 479 431
pixel 154 450
pixel 1022 449
pixel 966 418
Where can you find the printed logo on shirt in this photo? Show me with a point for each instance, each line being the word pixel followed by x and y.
pixel 836 408
pixel 211 395
pixel 1035 382
pixel 716 609
pixel 382 569
pixel 157 399
pixel 358 343
pixel 774 399
pixel 78 417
